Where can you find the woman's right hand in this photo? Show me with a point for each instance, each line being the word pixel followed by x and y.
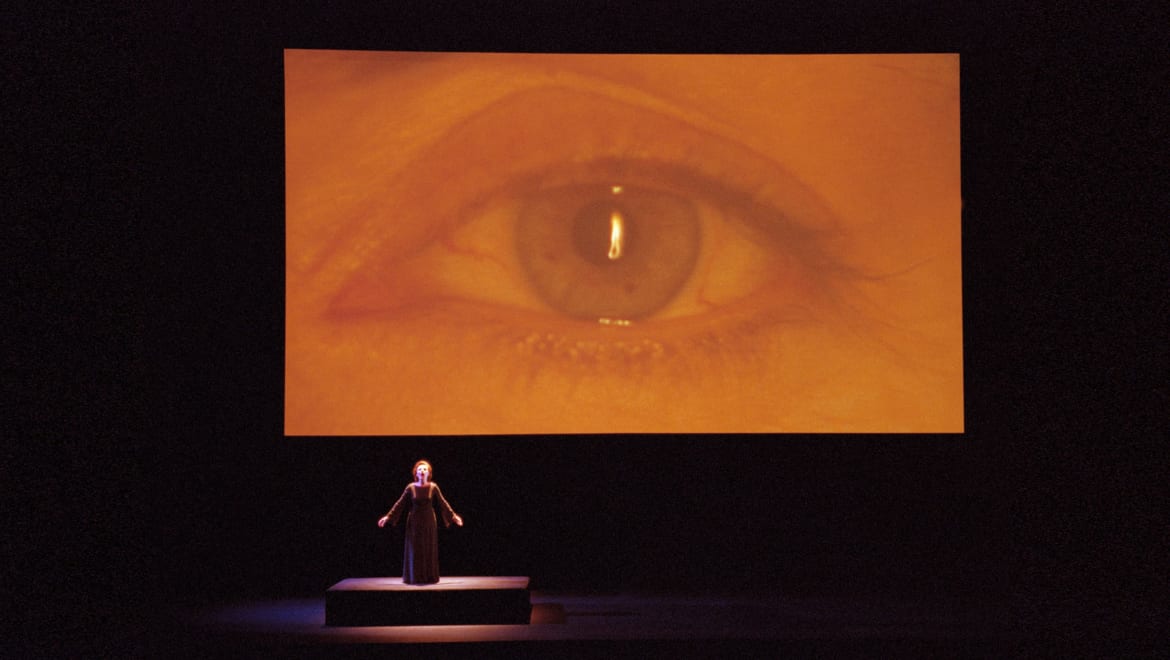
pixel 382 521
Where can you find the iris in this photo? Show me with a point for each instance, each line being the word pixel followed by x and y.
pixel 565 239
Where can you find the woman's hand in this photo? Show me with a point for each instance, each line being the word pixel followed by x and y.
pixel 382 521
pixel 457 520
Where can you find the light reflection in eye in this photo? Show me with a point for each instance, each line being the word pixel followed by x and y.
pixel 617 235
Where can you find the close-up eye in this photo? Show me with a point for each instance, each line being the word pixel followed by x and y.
pixel 623 217
pixel 496 244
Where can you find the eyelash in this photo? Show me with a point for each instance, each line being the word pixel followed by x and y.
pixel 523 355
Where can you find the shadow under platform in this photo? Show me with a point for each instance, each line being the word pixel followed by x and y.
pixel 454 600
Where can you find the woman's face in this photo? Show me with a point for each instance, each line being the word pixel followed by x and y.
pixel 789 244
pixel 423 472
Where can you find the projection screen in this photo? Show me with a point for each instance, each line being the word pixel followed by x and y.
pixel 491 244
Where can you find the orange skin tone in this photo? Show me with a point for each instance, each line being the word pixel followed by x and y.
pixel 373 346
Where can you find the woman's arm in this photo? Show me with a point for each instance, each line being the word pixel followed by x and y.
pixel 449 515
pixel 395 511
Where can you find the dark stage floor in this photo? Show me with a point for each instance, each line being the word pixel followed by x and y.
pixel 571 620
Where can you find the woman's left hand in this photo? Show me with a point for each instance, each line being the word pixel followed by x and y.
pixel 457 520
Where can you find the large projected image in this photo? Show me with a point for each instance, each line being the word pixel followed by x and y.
pixel 531 243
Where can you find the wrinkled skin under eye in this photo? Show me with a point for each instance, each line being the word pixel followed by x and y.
pixel 598 252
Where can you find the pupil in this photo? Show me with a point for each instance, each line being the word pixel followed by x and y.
pixel 592 230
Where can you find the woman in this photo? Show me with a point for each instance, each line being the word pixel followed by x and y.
pixel 420 559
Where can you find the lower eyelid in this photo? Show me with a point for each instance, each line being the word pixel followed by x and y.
pixel 532 342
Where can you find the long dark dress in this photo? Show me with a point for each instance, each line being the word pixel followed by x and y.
pixel 420 558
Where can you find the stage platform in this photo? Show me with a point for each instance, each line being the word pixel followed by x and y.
pixel 454 600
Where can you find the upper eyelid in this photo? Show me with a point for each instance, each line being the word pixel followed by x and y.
pixel 681 179
pixel 468 156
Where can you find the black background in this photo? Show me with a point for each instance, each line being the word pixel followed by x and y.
pixel 160 472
